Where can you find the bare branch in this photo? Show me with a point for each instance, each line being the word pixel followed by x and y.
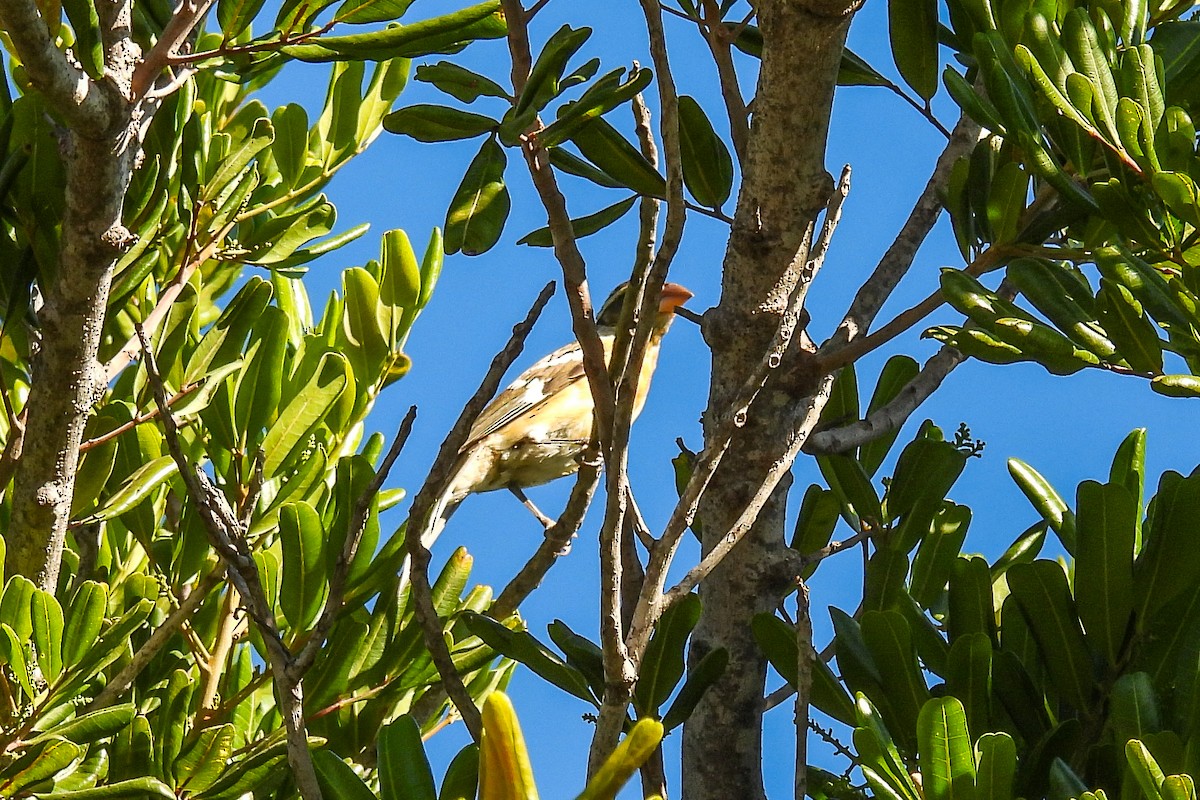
pixel 899 256
pixel 359 516
pixel 804 662
pixel 566 251
pixel 185 19
pixel 423 517
pixel 87 106
pixel 720 39
pixel 228 538
pixel 894 414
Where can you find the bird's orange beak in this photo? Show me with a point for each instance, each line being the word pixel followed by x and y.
pixel 673 296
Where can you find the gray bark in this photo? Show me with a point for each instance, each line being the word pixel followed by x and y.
pixel 785 186
pixel 98 151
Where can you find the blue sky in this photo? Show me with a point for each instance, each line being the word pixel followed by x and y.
pixel 1067 428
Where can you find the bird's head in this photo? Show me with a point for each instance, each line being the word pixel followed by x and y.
pixel 673 295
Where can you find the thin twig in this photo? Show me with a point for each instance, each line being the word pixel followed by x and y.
pixel 119 683
pixel 422 516
pixel 140 419
pixel 898 258
pixel 359 517
pixel 804 663
pixel 187 16
pixel 227 536
pixel 720 40
pixel 895 413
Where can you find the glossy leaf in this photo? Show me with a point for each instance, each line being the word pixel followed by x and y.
pixel 601 144
pixel 431 123
pixel 707 164
pixel 304 586
pixel 1045 500
pixel 524 648
pixel 944 751
pixel 912 27
pixel 706 672
pixel 480 205
pixel 663 663
pixel 584 226
pixel 404 771
pixel 296 422
pixel 459 82
pixel 1104 565
pixel 1041 591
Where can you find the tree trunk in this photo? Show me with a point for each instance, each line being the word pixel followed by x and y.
pixel 67 380
pixel 784 188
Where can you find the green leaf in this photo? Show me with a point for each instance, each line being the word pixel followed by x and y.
pixel 1167 565
pixel 430 123
pixel 854 71
pixel 462 776
pixel 524 648
pixel 706 672
pixel 815 523
pixel 338 779
pixel 1134 334
pixel 663 663
pixel 912 27
pixel 582 654
pixel 584 226
pixel 235 16
pixel 89 47
pixel 134 787
pixel 46 616
pixel 136 488
pixel 888 637
pixel 459 82
pixel 203 762
pixel 363 11
pixel 707 164
pixel 605 94
pixel 944 751
pixel 288 436
pixel 547 71
pixel 304 587
pixel 997 766
pixel 970 598
pixel 444 34
pixel 1133 712
pixel 36 764
pixel 480 205
pixel 969 677
pixel 937 553
pixel 895 375
pixel 404 772
pixel 1145 769
pixel 601 144
pixel 85 617
pixel 1036 279
pixel 1041 591
pixel 925 472
pixel 1104 565
pixel 1176 385
pixel 285 235
pixel 260 138
pixel 1045 500
pixel 849 482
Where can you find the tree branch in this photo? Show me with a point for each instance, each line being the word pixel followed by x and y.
pixel 88 107
pixel 341 570
pixel 186 17
pixel 421 518
pixel 896 262
pixel 228 538
pixel 895 413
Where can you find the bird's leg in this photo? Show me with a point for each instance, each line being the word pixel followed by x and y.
pixel 547 523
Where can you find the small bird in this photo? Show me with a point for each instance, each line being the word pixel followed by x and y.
pixel 534 430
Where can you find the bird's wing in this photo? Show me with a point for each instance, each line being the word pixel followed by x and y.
pixel 543 380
